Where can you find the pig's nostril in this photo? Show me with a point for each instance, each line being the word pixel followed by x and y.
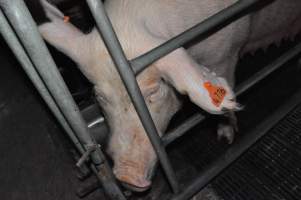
pixel 133 183
pixel 135 188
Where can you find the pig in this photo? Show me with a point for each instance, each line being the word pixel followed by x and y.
pixel 195 70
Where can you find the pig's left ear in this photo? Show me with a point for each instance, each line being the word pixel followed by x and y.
pixel 208 91
pixel 60 33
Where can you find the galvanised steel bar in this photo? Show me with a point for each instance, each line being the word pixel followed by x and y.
pixel 130 82
pixel 243 87
pixel 11 39
pixel 202 30
pixel 257 77
pixel 183 128
pixel 26 29
pixel 237 149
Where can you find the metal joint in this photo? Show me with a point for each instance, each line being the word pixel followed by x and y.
pixel 90 149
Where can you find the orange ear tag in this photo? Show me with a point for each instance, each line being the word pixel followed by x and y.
pixel 66 19
pixel 217 94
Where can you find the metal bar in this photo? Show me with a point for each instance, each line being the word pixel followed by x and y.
pixel 237 149
pixel 293 52
pixel 12 41
pixel 96 121
pixel 25 28
pixel 183 128
pixel 243 87
pixel 202 30
pixel 130 82
pixel 14 44
pixel 20 18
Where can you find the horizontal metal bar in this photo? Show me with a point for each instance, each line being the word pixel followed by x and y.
pixel 128 77
pixel 26 29
pixel 183 128
pixel 202 30
pixel 279 62
pixel 246 85
pixel 237 149
pixel 14 44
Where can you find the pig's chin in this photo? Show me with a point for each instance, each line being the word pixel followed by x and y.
pixel 135 188
pixel 132 178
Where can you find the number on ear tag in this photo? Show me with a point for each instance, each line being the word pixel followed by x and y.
pixel 216 93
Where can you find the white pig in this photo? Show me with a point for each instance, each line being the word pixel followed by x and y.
pixel 144 24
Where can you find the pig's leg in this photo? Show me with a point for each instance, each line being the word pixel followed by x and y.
pixel 227 125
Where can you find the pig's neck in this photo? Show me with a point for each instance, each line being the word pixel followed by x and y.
pixel 127 19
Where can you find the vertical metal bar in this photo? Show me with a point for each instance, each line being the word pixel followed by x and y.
pixel 14 44
pixel 26 29
pixel 202 30
pixel 19 17
pixel 130 82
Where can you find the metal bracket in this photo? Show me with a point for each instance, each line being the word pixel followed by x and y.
pixel 86 155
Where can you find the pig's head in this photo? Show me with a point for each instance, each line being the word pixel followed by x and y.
pixel 129 147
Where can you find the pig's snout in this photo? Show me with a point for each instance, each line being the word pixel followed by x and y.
pixel 140 188
pixel 132 177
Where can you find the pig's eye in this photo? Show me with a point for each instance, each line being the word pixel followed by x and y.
pixel 155 93
pixel 101 98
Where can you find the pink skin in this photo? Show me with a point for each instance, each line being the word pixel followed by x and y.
pixel 145 26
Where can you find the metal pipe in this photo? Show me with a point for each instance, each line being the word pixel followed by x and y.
pixel 243 87
pixel 130 82
pixel 20 18
pixel 237 149
pixel 183 128
pixel 14 44
pixel 202 30
pixel 25 28
pixel 96 121
pixel 254 79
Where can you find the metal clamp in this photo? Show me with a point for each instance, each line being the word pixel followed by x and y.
pixel 86 155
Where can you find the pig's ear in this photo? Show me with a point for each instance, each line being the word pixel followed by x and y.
pixel 208 91
pixel 60 33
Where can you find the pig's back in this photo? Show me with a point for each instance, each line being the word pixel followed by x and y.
pixel 174 17
pixel 281 19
